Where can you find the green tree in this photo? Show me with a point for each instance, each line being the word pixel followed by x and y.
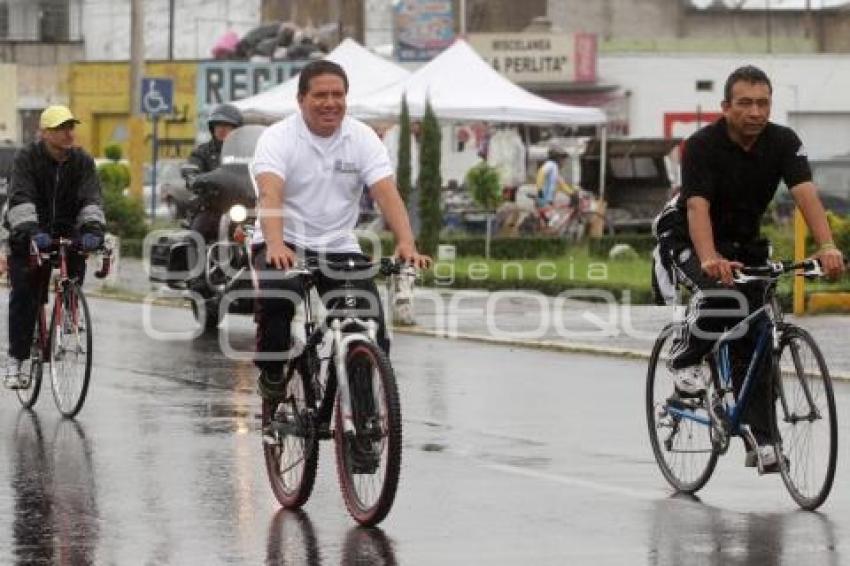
pixel 403 170
pixel 483 182
pixel 430 183
pixel 125 216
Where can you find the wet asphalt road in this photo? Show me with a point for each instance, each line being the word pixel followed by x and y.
pixel 511 456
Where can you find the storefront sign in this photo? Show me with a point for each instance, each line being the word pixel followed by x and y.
pixel 539 58
pixel 423 28
pixel 226 81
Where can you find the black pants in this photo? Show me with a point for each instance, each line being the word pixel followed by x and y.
pixel 278 297
pixel 206 223
pixel 705 323
pixel 29 286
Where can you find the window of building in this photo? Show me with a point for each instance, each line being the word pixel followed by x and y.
pixel 53 20
pixel 4 19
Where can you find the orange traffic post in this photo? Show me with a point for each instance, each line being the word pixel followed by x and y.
pixel 137 154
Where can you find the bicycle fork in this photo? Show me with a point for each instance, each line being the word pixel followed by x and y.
pixel 341 342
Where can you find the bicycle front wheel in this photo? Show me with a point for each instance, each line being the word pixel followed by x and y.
pixel 290 444
pixel 70 351
pixel 34 367
pixel 369 458
pixel 806 428
pixel 683 447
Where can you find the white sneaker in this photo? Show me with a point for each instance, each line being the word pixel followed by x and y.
pixel 691 381
pixel 13 378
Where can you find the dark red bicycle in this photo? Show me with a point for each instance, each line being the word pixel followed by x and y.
pixel 66 344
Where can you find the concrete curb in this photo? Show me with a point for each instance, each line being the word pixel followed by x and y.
pixel 554 346
pixel 116 293
pixel 531 344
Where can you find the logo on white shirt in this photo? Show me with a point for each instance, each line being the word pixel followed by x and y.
pixel 341 166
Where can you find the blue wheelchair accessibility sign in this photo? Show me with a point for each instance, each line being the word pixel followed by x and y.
pixel 157 96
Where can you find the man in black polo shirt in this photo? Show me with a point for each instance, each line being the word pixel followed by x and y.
pixel 730 172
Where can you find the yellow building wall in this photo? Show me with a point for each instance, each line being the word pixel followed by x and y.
pixel 9 108
pixel 99 95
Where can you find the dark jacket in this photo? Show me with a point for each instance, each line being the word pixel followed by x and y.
pixel 61 199
pixel 207 156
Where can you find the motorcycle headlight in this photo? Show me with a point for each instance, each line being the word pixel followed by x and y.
pixel 238 213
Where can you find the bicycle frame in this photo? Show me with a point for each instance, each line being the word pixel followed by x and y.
pixel 767 340
pixel 341 336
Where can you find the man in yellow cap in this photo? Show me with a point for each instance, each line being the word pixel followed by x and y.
pixel 54 192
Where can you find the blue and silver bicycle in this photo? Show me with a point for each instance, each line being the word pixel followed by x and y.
pixel 688 435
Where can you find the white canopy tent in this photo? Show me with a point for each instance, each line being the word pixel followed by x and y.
pixel 461 86
pixel 366 73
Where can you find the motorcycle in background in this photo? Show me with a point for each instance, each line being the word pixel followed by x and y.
pixel 210 259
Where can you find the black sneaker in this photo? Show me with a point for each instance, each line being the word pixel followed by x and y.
pixel 271 385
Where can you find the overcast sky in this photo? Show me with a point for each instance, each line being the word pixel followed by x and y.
pixel 774 4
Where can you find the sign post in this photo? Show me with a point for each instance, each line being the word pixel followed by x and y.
pixel 157 99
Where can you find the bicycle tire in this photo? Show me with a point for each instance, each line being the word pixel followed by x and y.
pixel 795 438
pixel 70 344
pixel 292 460
pixel 686 456
pixel 368 461
pixel 29 395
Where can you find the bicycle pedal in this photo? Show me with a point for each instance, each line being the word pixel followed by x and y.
pixel 684 403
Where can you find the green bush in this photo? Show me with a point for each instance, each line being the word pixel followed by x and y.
pixel 114 175
pixel 840 226
pixel 112 152
pixel 125 216
pixel 500 248
pixel 482 180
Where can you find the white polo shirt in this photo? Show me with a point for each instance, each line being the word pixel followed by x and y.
pixel 323 179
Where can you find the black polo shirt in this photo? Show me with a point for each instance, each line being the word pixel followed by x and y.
pixel 739 184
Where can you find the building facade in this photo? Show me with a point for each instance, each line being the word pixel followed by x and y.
pixel 679 25
pixel 189 27
pixel 673 94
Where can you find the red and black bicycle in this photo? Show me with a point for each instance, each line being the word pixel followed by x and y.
pixel 66 344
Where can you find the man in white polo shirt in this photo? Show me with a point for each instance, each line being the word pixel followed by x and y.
pixel 311 169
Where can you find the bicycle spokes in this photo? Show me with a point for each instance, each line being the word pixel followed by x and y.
pixel 806 427
pixel 71 355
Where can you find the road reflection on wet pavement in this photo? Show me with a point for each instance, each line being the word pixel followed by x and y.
pixel 511 456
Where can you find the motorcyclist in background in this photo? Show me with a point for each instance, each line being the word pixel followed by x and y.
pixel 206 157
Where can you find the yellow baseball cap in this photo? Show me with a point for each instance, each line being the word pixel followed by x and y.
pixel 55 116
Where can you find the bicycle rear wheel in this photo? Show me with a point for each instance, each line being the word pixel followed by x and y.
pixel 290 445
pixel 34 367
pixel 71 351
pixel 806 428
pixel 683 448
pixel 368 460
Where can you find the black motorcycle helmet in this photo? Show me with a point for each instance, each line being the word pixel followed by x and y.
pixel 225 114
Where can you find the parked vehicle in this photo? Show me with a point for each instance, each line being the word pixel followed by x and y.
pixel 210 269
pixel 638 179
pixel 832 178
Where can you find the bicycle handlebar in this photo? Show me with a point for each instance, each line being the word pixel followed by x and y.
pixel 39 255
pixel 385 265
pixel 809 268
